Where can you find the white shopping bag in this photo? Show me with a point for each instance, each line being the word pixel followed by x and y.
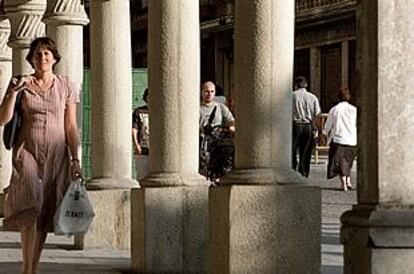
pixel 75 213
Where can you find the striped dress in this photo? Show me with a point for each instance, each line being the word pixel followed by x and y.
pixel 41 159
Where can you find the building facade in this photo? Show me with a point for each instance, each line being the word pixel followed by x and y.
pixel 324 44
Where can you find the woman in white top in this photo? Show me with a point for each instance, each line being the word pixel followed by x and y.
pixel 341 130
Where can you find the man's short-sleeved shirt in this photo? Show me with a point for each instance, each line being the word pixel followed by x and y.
pixel 305 106
pixel 140 121
pixel 222 117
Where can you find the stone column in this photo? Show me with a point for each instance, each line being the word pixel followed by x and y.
pixel 65 20
pixel 378 233
pixel 5 74
pixel 111 94
pixel 315 71
pixel 25 24
pixel 111 120
pixel 261 213
pixel 169 215
pixel 345 63
pixel 25 19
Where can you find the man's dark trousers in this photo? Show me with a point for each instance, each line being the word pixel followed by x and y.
pixel 302 141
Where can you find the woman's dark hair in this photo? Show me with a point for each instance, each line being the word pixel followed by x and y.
pixel 344 95
pixel 47 43
pixel 145 95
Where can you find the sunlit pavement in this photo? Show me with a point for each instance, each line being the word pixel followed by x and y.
pixel 59 258
pixel 334 203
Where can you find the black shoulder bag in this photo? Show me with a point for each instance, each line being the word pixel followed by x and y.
pixel 11 129
pixel 209 128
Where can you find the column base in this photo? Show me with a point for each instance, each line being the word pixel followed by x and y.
pixel 111 225
pixel 172 179
pixel 378 239
pixel 111 183
pixel 111 201
pixel 264 229
pixel 263 176
pixel 169 229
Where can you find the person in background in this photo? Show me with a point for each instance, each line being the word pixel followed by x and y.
pixel 216 124
pixel 140 138
pixel 222 115
pixel 45 155
pixel 341 129
pixel 305 109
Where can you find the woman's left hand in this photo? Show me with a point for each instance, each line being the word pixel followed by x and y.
pixel 75 169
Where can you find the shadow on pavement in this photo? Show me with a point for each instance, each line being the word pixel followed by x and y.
pixel 16 245
pixel 327 269
pixel 64 268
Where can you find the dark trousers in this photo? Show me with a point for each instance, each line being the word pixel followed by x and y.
pixel 303 143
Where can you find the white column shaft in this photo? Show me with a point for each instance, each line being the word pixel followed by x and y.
pixel 5 75
pixel 253 62
pixel 385 164
pixel 264 63
pixel 282 24
pixel 67 38
pixel 65 20
pixel 111 93
pixel 169 86
pixel 189 83
pixel 20 65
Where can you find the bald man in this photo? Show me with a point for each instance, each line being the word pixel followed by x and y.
pixel 222 116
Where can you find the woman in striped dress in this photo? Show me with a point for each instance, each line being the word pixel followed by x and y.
pixel 45 157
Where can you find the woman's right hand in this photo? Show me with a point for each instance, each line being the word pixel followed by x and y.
pixel 76 170
pixel 19 82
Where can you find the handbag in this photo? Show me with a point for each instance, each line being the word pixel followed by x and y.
pixel 75 213
pixel 11 129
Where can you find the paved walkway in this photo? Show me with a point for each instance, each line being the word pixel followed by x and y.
pixel 59 258
pixel 334 203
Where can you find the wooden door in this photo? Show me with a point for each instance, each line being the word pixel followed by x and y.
pixel 330 75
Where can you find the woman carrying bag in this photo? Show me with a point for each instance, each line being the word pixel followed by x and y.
pixel 45 158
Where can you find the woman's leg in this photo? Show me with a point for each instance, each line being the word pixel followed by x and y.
pixel 343 183
pixel 37 249
pixel 28 237
pixel 348 182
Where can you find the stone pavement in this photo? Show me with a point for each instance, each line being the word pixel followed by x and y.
pixel 334 203
pixel 59 258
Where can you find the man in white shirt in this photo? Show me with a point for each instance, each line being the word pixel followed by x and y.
pixel 305 109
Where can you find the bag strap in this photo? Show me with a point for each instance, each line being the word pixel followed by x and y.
pixel 18 99
pixel 212 115
pixel 18 96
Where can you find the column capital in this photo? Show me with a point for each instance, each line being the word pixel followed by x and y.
pixel 25 20
pixel 5 50
pixel 65 12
